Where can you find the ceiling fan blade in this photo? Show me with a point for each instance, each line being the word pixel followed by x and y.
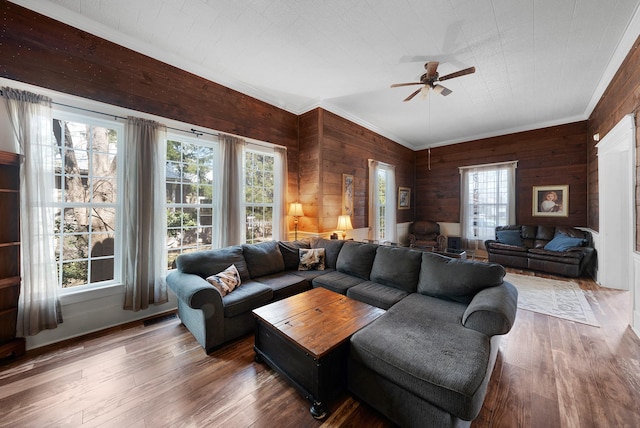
pixel 412 95
pixel 466 71
pixel 442 90
pixel 431 68
pixel 396 85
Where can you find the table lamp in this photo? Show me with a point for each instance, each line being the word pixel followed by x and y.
pixel 344 224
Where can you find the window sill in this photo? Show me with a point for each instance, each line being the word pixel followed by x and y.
pixel 79 296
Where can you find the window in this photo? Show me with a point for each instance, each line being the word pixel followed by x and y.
pixel 382 200
pixel 488 200
pixel 86 200
pixel 382 204
pixel 190 195
pixel 259 191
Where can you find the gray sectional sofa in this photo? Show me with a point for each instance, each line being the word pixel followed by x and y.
pixel 426 362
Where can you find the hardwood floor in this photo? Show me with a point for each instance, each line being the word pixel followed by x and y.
pixel 549 373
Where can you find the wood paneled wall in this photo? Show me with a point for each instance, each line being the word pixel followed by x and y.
pixel 621 97
pixel 344 147
pixel 548 156
pixel 41 51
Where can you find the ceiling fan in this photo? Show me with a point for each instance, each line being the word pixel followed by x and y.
pixel 430 79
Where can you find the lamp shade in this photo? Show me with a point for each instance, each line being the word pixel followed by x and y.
pixel 344 223
pixel 295 209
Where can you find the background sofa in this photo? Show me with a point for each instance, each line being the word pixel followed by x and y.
pixel 559 250
pixel 426 362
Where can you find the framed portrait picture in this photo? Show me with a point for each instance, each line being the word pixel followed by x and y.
pixel 404 198
pixel 551 201
pixel 347 194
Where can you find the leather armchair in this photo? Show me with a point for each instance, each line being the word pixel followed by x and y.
pixel 426 233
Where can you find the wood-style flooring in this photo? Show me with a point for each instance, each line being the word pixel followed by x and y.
pixel 549 373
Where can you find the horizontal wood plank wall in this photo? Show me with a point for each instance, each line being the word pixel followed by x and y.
pixel 547 156
pixel 621 97
pixel 346 148
pixel 41 51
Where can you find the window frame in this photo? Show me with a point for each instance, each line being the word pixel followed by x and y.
pixel 213 144
pixel 277 191
pixel 470 217
pixel 60 206
pixel 382 218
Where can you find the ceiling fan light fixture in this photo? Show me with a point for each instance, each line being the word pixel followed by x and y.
pixel 430 78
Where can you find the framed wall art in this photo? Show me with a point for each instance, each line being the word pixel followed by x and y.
pixel 404 198
pixel 347 194
pixel 551 201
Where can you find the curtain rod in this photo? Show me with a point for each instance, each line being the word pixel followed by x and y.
pixel 515 163
pixel 193 131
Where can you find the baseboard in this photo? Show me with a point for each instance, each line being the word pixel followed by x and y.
pixel 635 327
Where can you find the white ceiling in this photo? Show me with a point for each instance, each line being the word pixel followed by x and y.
pixel 539 62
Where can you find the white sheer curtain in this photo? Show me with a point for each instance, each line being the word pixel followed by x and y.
pixel 375 214
pixel 144 214
pixel 281 186
pixel 231 224
pixel 487 200
pixel 31 119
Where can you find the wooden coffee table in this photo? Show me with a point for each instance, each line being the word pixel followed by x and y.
pixel 305 338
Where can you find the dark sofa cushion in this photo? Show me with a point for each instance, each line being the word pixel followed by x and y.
pixel 290 254
pixel 210 262
pixel 331 247
pixel 510 237
pixel 505 247
pixel 456 279
pixel 338 282
pixel 356 259
pixel 397 267
pixel 378 295
pixel 285 284
pixel 263 259
pixel 245 298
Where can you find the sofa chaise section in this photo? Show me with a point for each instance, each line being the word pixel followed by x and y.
pixel 427 361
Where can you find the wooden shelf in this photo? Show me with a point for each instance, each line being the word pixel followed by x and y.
pixel 10 346
pixel 10 281
pixel 10 244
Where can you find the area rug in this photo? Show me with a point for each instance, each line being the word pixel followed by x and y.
pixel 561 299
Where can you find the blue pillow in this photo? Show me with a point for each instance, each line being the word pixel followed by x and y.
pixel 562 242
pixel 511 237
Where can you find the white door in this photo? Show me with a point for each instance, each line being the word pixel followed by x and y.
pixel 617 222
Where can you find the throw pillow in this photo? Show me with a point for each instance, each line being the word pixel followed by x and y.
pixel 562 242
pixel 226 281
pixel 510 237
pixel 290 253
pixel 311 259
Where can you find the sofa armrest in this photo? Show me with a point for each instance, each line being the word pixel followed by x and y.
pixel 492 311
pixel 488 242
pixel 193 290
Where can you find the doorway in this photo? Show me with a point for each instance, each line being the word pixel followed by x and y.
pixel 616 198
